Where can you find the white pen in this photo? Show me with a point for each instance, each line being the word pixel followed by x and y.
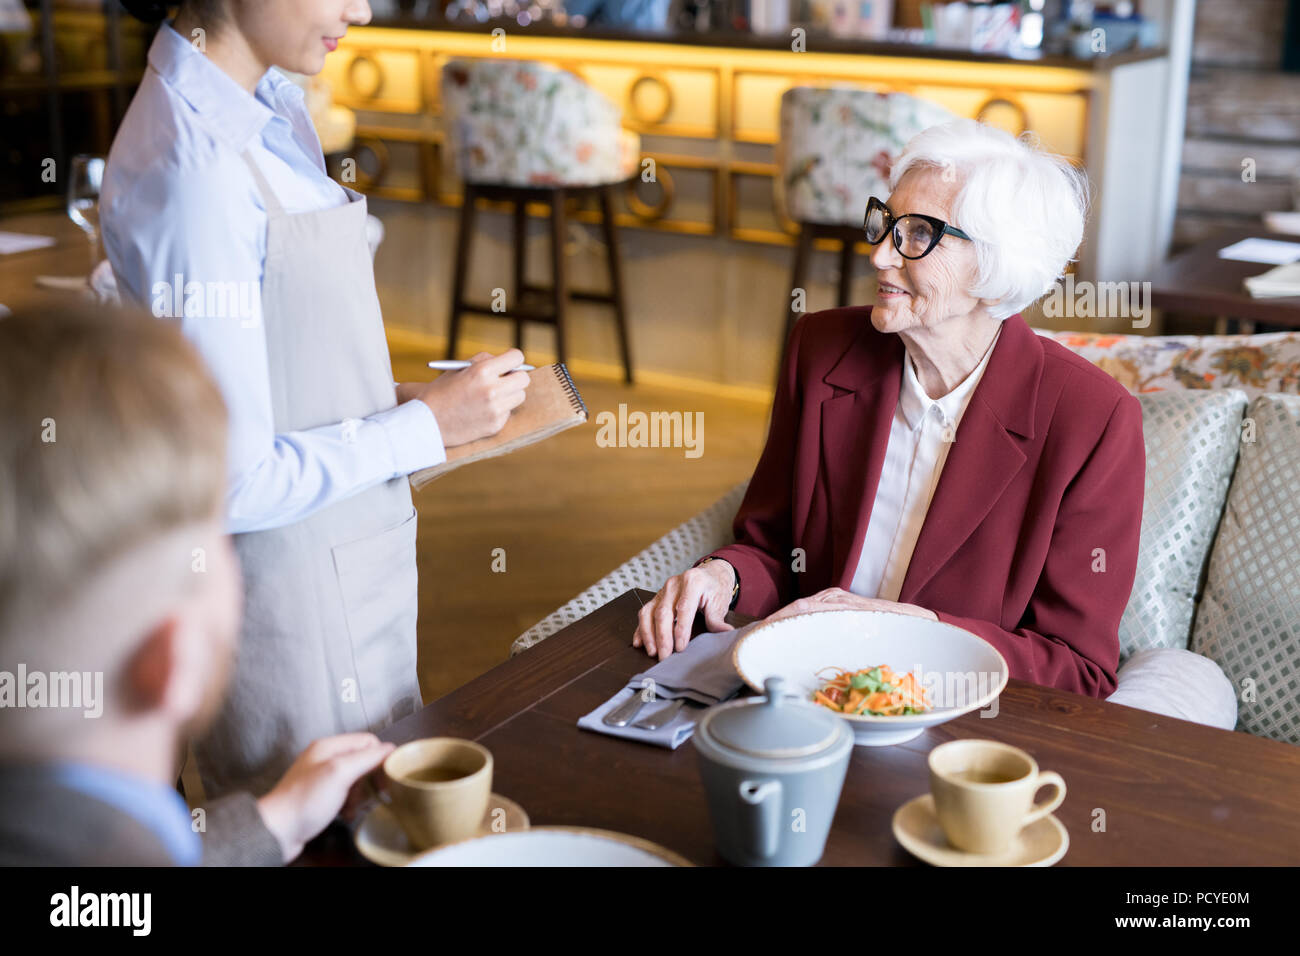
pixel 453 365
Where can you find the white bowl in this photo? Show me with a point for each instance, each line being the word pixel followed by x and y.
pixel 961 671
pixel 552 846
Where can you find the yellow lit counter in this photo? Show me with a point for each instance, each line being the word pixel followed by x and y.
pixel 708 116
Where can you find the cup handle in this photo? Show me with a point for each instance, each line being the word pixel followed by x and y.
pixel 1048 778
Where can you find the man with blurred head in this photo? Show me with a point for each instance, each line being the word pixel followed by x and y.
pixel 120 607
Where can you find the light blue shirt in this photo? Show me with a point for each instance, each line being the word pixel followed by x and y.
pixel 179 201
pixel 158 807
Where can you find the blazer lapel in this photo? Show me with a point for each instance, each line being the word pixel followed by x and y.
pixel 985 455
pixel 855 436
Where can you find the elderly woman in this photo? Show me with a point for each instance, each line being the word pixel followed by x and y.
pixel 931 455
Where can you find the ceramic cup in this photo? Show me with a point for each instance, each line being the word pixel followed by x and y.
pixel 984 793
pixel 438 789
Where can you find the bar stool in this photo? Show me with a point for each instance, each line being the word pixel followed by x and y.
pixel 526 132
pixel 836 148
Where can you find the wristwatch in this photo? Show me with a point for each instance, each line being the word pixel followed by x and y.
pixel 735 591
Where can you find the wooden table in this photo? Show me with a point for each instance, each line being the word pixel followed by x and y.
pixel 69 256
pixel 1171 792
pixel 1197 281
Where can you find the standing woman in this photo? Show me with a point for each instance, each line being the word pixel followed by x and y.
pixel 217 211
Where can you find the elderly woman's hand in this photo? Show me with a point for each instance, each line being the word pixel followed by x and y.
pixel 664 625
pixel 837 599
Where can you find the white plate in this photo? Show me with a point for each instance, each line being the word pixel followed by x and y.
pixel 552 846
pixel 961 671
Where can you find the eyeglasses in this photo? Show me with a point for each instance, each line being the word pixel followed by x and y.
pixel 915 235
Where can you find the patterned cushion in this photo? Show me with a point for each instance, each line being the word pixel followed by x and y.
pixel 1249 617
pixel 837 146
pixel 1256 364
pixel 1191 448
pixel 521 123
pixel 673 553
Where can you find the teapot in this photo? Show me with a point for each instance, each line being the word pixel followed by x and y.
pixel 773 768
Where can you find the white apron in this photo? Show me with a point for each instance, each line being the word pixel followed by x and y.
pixel 328 642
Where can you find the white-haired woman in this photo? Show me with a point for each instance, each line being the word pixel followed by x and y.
pixel 931 455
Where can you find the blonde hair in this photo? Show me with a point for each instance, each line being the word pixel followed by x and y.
pixel 112 434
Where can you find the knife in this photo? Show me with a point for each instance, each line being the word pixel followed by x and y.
pixel 662 717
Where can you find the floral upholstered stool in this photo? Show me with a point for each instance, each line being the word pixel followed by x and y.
pixel 836 148
pixel 524 132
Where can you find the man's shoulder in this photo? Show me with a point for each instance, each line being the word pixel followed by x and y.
pixel 44 823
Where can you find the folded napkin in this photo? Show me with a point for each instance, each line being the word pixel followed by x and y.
pixel 702 674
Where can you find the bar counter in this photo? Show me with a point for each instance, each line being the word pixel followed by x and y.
pixel 706 109
pixel 816 42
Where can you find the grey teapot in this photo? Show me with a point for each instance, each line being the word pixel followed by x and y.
pixel 773 768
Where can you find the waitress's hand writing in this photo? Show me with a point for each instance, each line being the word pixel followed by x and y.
pixel 315 787
pixel 664 624
pixel 474 402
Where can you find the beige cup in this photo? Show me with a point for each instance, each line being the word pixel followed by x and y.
pixel 439 788
pixel 984 791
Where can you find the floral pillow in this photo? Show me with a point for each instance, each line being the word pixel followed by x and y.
pixel 1256 364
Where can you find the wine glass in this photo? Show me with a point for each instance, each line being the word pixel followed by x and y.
pixel 84 180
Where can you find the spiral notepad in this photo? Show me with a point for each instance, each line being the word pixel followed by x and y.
pixel 552 405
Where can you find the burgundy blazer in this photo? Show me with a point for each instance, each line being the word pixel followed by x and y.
pixel 1031 538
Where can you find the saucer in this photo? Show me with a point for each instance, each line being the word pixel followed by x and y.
pixel 380 838
pixel 1041 843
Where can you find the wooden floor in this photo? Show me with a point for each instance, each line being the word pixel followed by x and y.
pixel 566 512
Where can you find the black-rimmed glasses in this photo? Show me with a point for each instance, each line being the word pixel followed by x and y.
pixel 915 235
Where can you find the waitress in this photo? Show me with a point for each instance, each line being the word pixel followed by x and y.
pixel 217 210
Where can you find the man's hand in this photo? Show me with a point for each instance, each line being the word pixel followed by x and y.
pixel 474 402
pixel 837 599
pixel 315 787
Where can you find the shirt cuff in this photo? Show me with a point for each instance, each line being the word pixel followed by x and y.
pixel 413 435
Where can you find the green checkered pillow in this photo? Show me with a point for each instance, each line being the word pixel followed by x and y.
pixel 1191 447
pixel 1249 618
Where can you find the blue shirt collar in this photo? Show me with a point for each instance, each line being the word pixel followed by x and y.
pixel 156 806
pixel 226 108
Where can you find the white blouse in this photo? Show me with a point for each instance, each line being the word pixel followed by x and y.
pixel 920 438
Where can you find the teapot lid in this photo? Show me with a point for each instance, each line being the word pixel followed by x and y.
pixel 775 726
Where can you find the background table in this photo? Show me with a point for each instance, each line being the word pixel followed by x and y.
pixel 69 256
pixel 1198 282
pixel 1169 791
